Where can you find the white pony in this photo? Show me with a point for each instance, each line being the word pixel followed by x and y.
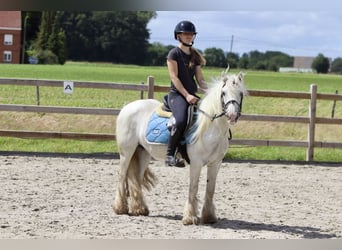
pixel 220 107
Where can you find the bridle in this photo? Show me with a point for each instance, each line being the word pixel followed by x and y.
pixel 224 108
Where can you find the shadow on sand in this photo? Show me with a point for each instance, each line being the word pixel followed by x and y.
pixel 301 231
pixel 305 232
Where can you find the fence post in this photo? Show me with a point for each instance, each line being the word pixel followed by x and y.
pixel 150 81
pixel 142 92
pixel 312 119
pixel 333 106
pixel 38 95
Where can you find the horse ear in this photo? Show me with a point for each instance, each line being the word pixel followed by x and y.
pixel 227 69
pixel 241 76
pixel 224 73
pixel 224 80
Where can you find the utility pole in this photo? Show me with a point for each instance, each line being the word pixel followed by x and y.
pixel 231 49
pixel 24 40
pixel 231 44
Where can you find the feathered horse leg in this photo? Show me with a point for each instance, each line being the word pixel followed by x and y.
pixel 191 206
pixel 120 204
pixel 139 177
pixel 208 211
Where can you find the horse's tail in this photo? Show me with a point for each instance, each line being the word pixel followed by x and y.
pixel 139 174
pixel 149 179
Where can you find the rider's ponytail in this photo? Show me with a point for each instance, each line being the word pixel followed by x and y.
pixel 196 58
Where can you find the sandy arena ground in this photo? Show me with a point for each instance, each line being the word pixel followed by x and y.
pixel 70 198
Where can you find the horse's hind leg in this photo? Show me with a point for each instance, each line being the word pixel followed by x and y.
pixel 120 205
pixel 139 177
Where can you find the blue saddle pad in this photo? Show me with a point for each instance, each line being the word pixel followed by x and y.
pixel 158 132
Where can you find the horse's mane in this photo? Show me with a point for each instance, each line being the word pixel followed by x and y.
pixel 211 102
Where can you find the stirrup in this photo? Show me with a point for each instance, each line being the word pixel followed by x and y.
pixel 173 161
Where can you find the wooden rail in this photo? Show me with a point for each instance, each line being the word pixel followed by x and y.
pixel 61 110
pixel 150 88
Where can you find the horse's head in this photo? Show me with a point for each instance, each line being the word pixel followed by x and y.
pixel 232 92
pixel 223 99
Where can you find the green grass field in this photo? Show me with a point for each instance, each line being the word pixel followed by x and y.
pixel 101 72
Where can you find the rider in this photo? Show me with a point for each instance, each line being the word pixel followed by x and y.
pixel 184 66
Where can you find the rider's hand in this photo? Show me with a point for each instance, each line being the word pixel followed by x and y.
pixel 191 99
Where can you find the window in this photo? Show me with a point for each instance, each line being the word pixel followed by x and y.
pixel 8 39
pixel 7 56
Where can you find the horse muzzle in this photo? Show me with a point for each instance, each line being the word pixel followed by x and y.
pixel 233 117
pixel 232 111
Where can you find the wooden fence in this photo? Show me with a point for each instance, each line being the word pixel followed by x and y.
pixel 151 88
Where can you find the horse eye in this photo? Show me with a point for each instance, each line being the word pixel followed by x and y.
pixel 223 94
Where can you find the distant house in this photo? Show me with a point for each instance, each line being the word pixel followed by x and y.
pixel 303 63
pixel 10 36
pixel 300 64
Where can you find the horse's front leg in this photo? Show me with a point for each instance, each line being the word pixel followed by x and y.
pixel 191 206
pixel 208 211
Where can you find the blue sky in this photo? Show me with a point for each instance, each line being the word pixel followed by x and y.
pixel 294 32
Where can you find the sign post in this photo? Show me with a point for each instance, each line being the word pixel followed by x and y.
pixel 68 87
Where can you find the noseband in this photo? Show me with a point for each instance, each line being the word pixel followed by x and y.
pixel 235 103
pixel 224 108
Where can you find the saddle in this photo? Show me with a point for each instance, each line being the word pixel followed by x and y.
pixel 165 111
pixel 162 120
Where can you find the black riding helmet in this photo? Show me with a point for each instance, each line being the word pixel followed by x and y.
pixel 185 26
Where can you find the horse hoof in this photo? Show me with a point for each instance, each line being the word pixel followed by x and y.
pixel 209 220
pixel 120 209
pixel 191 221
pixel 140 212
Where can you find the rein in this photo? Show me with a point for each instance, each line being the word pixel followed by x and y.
pixel 224 106
pixel 211 117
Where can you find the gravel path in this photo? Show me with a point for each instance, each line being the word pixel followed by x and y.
pixel 70 198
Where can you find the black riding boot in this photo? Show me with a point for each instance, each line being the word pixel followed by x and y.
pixel 171 158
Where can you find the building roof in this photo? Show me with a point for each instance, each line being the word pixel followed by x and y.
pixel 303 62
pixel 10 20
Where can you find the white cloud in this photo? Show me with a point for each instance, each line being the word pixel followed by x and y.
pixel 292 32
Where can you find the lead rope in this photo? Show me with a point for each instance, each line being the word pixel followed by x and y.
pixel 230 135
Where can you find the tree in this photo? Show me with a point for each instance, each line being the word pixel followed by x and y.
pixel 81 34
pixel 30 30
pixel 256 60
pixel 232 59
pixel 321 64
pixel 244 61
pixel 276 59
pixel 45 29
pixel 32 25
pixel 61 47
pixel 215 57
pixel 112 36
pixel 56 41
pixel 157 54
pixel 50 43
pixel 336 65
pixel 270 60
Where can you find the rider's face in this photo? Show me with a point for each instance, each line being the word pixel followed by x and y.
pixel 187 36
